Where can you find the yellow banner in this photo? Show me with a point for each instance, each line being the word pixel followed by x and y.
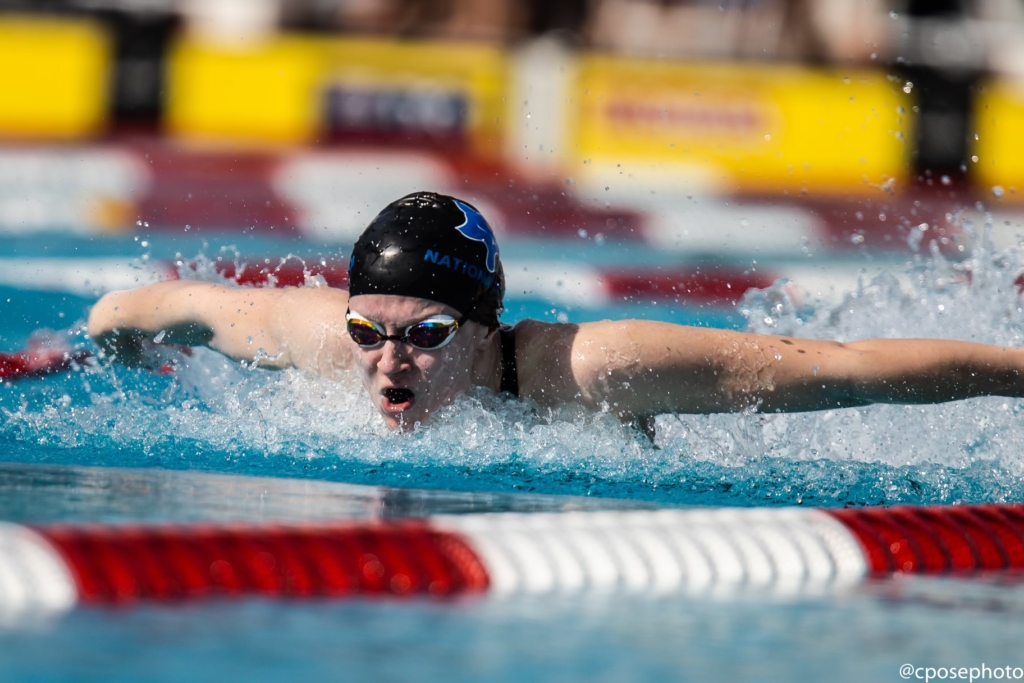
pixel 262 93
pixel 54 77
pixel 743 128
pixel 303 90
pixel 997 162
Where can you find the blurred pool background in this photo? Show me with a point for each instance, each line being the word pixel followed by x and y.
pixel 833 169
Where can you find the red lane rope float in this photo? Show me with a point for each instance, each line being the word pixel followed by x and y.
pixel 934 540
pixel 123 564
pixel 290 273
pixel 24 364
pixel 689 285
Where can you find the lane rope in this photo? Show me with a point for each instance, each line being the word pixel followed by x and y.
pixel 715 551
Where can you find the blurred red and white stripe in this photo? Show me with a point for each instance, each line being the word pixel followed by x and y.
pixel 563 283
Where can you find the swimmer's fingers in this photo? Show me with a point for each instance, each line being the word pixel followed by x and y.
pixel 142 351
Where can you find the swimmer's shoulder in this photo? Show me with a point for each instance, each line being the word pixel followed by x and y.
pixel 559 362
pixel 307 309
pixel 311 323
pixel 543 360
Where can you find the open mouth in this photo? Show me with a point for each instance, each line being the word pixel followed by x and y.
pixel 397 399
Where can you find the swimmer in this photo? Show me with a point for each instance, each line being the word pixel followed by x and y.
pixel 420 325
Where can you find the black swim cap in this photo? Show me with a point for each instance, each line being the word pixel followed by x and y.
pixel 431 246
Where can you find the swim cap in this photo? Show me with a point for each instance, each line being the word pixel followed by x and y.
pixel 431 246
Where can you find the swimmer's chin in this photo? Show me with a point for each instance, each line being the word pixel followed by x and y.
pixel 401 421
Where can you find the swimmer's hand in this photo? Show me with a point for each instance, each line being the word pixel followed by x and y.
pixel 143 351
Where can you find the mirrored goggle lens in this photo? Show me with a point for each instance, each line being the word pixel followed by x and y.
pixel 431 334
pixel 363 333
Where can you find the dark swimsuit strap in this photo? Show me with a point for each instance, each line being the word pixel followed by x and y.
pixel 509 372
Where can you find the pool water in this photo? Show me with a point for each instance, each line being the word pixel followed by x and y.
pixel 214 416
pixel 862 637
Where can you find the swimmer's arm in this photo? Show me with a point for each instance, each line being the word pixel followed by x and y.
pixel 640 368
pixel 278 327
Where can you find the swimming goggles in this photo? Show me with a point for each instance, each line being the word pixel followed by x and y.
pixel 426 335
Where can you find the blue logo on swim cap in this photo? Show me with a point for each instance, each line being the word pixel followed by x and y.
pixel 476 228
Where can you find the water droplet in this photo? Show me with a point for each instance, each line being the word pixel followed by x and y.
pixel 907 87
pixel 974 158
pixel 998 191
pixel 814 371
pixel 582 233
pixel 945 180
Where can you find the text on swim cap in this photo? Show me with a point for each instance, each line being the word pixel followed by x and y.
pixel 460 266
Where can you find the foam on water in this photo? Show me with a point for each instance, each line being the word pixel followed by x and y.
pixel 216 415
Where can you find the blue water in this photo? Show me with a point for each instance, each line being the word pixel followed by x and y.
pixel 866 637
pixel 214 416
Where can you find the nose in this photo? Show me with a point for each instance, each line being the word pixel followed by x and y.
pixel 394 358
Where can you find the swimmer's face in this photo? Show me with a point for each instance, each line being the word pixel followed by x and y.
pixel 405 383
